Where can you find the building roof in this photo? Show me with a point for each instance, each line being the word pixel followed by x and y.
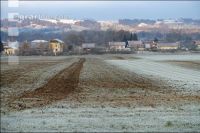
pixel 56 40
pixel 117 43
pixel 88 45
pixel 135 42
pixel 9 47
pixel 39 41
pixel 148 41
pixel 6 47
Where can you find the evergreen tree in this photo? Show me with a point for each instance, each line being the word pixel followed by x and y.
pixel 70 47
pixel 124 39
pixel 155 39
pixel 131 38
pixel 1 47
pixel 135 38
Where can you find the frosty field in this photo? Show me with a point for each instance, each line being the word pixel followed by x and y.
pixel 135 92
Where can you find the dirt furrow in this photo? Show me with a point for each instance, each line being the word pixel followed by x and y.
pixel 56 89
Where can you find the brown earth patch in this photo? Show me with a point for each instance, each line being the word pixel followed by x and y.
pixel 186 64
pixel 133 58
pixel 56 89
pixel 118 58
pixel 124 58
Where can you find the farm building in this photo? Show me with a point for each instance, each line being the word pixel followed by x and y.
pixel 136 45
pixel 168 46
pixel 117 46
pixel 148 45
pixel 56 46
pixel 197 43
pixel 37 47
pixel 87 47
pixel 10 48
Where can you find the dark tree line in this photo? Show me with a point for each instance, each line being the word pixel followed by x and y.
pixel 98 37
pixel 73 37
pixel 1 47
pixel 76 38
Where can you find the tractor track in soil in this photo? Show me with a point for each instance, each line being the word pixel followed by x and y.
pixel 57 88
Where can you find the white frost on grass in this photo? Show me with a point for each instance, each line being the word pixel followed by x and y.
pixel 103 119
pixel 184 57
pixel 184 79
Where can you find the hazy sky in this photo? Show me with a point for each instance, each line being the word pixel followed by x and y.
pixel 107 10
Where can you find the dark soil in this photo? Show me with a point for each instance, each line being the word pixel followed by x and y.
pixel 56 89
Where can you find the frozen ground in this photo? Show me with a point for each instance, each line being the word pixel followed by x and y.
pixel 29 74
pixel 188 80
pixel 185 57
pixel 115 93
pixel 58 118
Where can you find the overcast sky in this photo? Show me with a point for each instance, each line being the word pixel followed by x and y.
pixel 107 10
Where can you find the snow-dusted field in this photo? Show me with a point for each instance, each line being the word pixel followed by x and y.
pixel 107 99
pixel 91 119
pixel 188 80
pixel 183 57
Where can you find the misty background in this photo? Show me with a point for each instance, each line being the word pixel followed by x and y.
pixel 107 10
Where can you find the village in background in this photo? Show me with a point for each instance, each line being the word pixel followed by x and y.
pixel 71 37
pixel 100 66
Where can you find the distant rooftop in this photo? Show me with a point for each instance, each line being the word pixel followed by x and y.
pixel 57 40
pixel 88 45
pixel 116 43
pixel 39 41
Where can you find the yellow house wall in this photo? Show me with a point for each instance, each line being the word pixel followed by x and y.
pixel 56 47
pixel 9 51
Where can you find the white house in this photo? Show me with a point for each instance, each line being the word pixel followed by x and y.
pixel 147 45
pixel 117 46
pixel 136 45
pixel 88 45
